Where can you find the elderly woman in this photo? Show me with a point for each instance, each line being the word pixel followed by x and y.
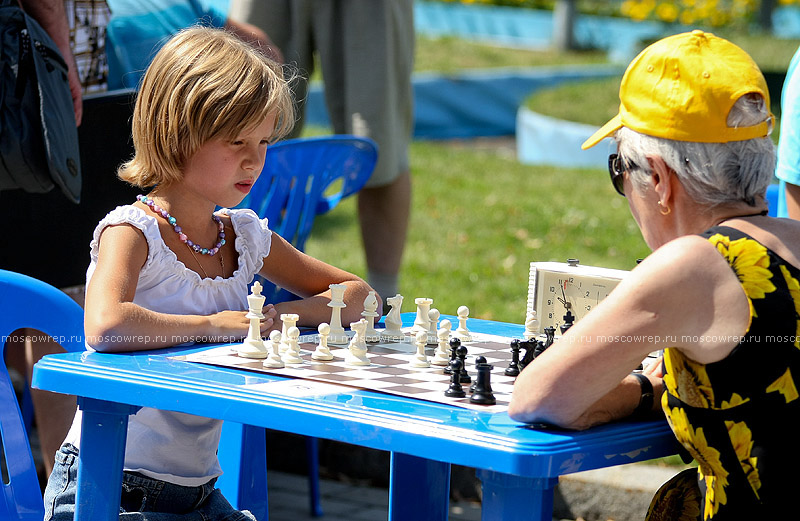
pixel 719 294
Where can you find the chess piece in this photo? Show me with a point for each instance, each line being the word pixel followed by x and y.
pixel 253 346
pixel 442 356
pixel 274 359
pixel 454 345
pixel 420 358
pixel 433 317
pixel 288 320
pixel 461 352
pixel 532 349
pixel 292 353
pixel 478 361
pixel 513 366
pixel 337 336
pixel 455 390
pixel 393 322
pixel 369 314
pixel 422 320
pixel 357 349
pixel 569 319
pixel 322 352
pixel 482 393
pixel 462 333
pixel 531 325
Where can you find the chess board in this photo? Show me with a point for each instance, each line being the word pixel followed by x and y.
pixel 389 370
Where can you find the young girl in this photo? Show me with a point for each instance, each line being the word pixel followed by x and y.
pixel 168 269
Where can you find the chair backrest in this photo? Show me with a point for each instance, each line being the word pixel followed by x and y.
pixel 306 177
pixel 26 302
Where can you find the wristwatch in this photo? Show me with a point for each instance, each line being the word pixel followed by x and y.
pixel 646 400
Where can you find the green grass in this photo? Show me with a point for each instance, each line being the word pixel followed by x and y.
pixel 479 218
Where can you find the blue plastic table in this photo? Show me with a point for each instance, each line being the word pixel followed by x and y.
pixel 518 465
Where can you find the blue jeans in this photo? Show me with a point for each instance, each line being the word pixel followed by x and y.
pixel 143 498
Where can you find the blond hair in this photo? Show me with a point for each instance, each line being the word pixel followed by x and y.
pixel 203 84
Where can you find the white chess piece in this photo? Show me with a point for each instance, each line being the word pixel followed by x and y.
pixel 531 325
pixel 357 349
pixel 433 317
pixel 422 320
pixel 370 314
pixel 420 358
pixel 274 358
pixel 393 322
pixel 292 353
pixel 337 336
pixel 253 346
pixel 322 352
pixel 442 355
pixel 289 320
pixel 462 333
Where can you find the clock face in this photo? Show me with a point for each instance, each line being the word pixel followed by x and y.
pixel 555 288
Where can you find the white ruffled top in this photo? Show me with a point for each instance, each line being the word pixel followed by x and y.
pixel 176 447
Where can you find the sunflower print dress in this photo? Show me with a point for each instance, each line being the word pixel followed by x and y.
pixel 738 417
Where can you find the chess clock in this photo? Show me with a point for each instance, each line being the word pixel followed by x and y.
pixel 554 288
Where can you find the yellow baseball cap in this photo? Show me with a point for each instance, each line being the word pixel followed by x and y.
pixel 682 87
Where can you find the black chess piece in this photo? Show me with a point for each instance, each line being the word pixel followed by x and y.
pixel 569 320
pixel 462 355
pixel 513 366
pixel 478 361
pixel 530 347
pixel 454 345
pixel 455 390
pixel 550 332
pixel 483 388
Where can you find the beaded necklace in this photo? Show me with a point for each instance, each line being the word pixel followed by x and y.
pixel 193 247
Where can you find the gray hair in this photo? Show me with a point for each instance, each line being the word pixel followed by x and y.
pixel 711 173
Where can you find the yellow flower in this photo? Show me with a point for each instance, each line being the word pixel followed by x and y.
pixel 750 262
pixel 742 441
pixel 794 291
pixel 687 380
pixel 710 466
pixel 785 385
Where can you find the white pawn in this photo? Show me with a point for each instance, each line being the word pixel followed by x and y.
pixel 531 325
pixel 322 352
pixel 442 356
pixel 393 321
pixel 274 358
pixel 433 316
pixel 420 358
pixel 462 333
pixel 370 314
pixel 357 349
pixel 292 353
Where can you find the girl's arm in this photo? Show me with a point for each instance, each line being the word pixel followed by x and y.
pixel 684 295
pixel 112 322
pixel 309 278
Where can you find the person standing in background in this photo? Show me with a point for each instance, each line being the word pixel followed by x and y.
pixel 366 53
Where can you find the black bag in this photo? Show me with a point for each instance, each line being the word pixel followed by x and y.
pixel 38 135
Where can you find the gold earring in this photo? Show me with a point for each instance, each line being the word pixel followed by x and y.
pixel 662 208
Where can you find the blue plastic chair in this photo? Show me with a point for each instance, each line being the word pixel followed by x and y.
pixel 28 303
pixel 302 178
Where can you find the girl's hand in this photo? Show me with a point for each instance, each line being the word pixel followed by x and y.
pixel 270 320
pixel 230 326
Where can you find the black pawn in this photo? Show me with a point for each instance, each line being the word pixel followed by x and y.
pixel 478 361
pixel 462 355
pixel 455 390
pixel 483 388
pixel 513 366
pixel 454 345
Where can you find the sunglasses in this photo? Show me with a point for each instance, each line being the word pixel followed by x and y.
pixel 616 169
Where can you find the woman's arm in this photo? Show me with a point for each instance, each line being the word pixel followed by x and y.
pixel 684 295
pixel 310 279
pixel 112 321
